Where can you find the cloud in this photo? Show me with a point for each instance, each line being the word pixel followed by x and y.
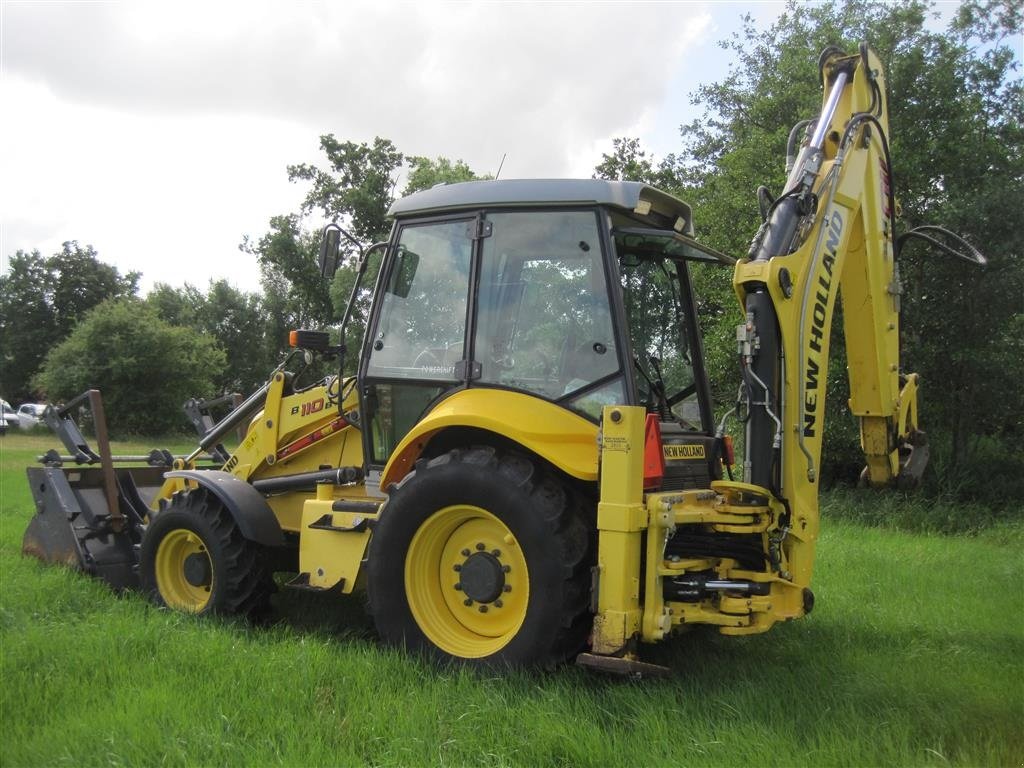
pixel 160 132
pixel 464 79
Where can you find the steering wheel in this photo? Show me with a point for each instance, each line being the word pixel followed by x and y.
pixel 682 394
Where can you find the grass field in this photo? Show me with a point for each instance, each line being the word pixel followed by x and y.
pixel 913 656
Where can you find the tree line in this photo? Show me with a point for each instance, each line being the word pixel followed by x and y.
pixel 957 139
pixel 69 321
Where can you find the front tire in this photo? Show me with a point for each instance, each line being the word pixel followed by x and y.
pixel 483 556
pixel 194 559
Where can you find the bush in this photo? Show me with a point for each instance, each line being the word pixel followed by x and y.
pixel 145 368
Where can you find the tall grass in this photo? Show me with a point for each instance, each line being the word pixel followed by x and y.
pixel 912 657
pixel 908 511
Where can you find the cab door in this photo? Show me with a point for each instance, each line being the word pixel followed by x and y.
pixel 416 347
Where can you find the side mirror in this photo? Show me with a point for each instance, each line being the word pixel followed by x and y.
pixel 405 271
pixel 330 250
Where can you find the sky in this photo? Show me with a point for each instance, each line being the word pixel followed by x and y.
pixel 160 132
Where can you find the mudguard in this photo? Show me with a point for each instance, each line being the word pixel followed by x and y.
pixel 558 435
pixel 255 519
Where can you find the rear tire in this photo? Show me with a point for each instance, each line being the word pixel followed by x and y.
pixel 194 559
pixel 485 557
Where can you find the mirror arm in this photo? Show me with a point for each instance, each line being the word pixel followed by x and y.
pixel 357 244
pixel 329 251
pixel 364 258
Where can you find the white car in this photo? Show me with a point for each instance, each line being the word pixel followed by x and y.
pixel 30 415
pixel 8 416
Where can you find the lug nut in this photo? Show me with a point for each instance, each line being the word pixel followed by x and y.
pixel 458 586
pixel 498 603
pixel 481 546
pixel 506 568
pixel 456 568
pixel 465 553
pixel 483 609
pixel 507 588
pixel 467 601
pixel 496 552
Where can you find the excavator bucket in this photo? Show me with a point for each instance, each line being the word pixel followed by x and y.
pixel 90 517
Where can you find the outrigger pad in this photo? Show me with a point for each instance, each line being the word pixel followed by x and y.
pixel 616 665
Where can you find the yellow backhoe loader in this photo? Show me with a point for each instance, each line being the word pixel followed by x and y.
pixel 525 468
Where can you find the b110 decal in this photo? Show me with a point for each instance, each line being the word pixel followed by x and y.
pixel 305 409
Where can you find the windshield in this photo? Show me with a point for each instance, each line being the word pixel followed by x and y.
pixel 663 367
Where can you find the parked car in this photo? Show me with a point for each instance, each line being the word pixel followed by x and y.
pixel 30 415
pixel 8 416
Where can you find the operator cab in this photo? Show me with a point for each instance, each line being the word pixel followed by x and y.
pixel 573 291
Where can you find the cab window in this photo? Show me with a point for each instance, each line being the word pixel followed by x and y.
pixel 544 317
pixel 422 325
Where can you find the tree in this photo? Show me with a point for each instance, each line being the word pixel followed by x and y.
pixel 358 186
pixel 628 162
pixel 81 281
pixel 177 306
pixel 41 300
pixel 425 173
pixel 356 189
pixel 294 294
pixel 26 323
pixel 956 111
pixel 145 367
pixel 235 319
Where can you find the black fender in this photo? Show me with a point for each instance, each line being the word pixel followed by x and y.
pixel 254 517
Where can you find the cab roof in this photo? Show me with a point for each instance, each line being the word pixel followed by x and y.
pixel 634 198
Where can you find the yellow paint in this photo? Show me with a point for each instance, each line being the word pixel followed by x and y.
pixel 437 601
pixel 621 519
pixel 566 440
pixel 268 424
pixel 331 558
pixel 175 590
pixel 849 245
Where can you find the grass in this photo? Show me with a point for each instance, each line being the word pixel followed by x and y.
pixel 919 513
pixel 912 657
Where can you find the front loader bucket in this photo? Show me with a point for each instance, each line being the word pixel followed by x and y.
pixel 75 526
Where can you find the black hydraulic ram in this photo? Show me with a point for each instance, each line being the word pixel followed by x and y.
pixel 762 352
pixel 308 480
pixel 694 588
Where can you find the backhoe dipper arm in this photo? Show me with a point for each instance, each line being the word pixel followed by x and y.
pixel 831 227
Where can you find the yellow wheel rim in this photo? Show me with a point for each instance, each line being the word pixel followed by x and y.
pixel 466 581
pixel 184 571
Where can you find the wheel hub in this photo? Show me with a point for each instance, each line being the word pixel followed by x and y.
pixel 466 581
pixel 197 569
pixel 482 577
